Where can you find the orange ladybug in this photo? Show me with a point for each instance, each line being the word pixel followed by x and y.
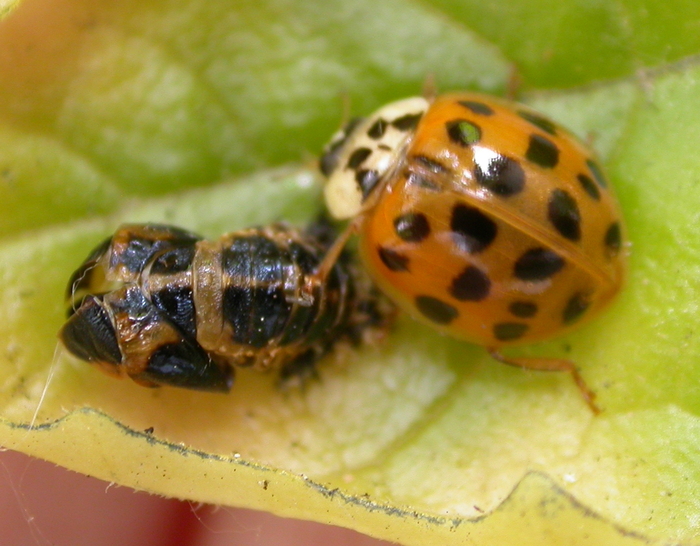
pixel 480 217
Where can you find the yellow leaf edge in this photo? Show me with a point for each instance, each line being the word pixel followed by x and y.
pixel 537 512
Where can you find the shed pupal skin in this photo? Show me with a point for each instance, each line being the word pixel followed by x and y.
pixel 166 307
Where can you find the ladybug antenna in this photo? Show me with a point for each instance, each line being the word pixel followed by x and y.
pixel 430 87
pixel 346 107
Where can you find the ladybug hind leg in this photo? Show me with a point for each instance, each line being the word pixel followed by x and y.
pixel 552 365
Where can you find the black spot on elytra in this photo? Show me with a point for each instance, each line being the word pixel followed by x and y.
pixel 523 309
pixel 357 157
pixel 463 132
pixel 589 186
pixel 563 212
pixel 509 331
pixel 537 264
pixel 477 107
pixel 436 310
pixel 473 230
pixel 597 173
pixel 613 239
pixel 542 151
pixel 576 307
pixel 547 125
pixel 501 175
pixel 472 284
pixel 412 227
pixel 393 260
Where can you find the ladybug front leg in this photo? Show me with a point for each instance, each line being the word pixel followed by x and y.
pixel 333 254
pixel 552 365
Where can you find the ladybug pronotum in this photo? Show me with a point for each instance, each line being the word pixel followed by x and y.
pixel 480 217
pixel 165 307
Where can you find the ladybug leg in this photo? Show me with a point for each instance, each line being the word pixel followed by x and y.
pixel 346 108
pixel 552 365
pixel 320 276
pixel 334 251
pixel 430 90
pixel 514 83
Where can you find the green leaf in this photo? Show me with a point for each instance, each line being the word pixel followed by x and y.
pixel 208 114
